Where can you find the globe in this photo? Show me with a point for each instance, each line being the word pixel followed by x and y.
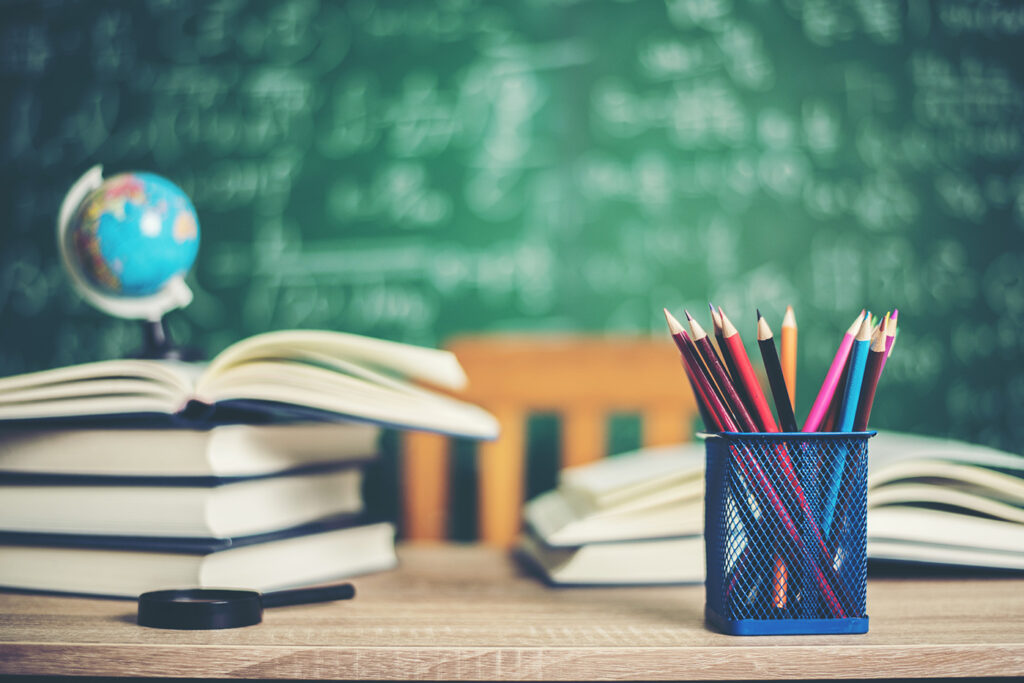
pixel 133 234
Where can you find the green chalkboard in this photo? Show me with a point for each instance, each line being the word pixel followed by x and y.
pixel 421 169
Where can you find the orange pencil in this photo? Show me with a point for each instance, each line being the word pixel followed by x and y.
pixel 788 354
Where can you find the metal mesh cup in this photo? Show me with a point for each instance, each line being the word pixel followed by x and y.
pixel 785 532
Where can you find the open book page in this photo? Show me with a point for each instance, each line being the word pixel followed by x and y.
pixel 940 528
pixel 889 448
pixel 323 389
pixel 904 551
pixel 101 388
pixel 413 362
pixel 950 473
pixel 947 497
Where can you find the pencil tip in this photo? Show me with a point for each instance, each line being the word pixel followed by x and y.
pixel 728 329
pixel 673 325
pixel 789 320
pixel 759 316
pixel 688 316
pixel 864 333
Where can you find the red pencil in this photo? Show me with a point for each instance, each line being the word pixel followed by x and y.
pixel 703 344
pixel 764 418
pixel 730 364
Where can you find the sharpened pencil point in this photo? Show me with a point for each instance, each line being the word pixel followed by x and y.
pixel 688 316
pixel 728 329
pixel 864 333
pixel 759 316
pixel 716 320
pixel 696 330
pixel 673 325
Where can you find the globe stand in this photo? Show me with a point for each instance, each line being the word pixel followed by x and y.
pixel 157 344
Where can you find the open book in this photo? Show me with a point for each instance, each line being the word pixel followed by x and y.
pixel 303 374
pixel 934 501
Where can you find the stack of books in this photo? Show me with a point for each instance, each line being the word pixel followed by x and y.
pixel 125 476
pixel 637 518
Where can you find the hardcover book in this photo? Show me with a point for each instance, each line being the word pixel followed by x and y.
pixel 286 375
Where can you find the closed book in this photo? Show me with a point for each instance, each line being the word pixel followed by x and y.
pixel 129 508
pixel 650 493
pixel 125 567
pixel 285 375
pixel 231 450
pixel 624 563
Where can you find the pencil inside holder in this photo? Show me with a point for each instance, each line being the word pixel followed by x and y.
pixel 785 532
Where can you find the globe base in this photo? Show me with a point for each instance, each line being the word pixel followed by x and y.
pixel 157 344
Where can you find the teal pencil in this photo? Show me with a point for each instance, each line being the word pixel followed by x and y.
pixel 858 360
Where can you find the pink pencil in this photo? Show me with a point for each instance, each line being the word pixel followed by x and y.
pixel 828 387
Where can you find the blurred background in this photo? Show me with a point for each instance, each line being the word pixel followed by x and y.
pixel 419 170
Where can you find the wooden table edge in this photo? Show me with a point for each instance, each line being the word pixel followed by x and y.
pixel 747 661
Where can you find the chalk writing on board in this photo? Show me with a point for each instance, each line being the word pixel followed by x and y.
pixel 417 170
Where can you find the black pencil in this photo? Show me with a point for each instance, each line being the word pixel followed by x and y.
pixel 773 367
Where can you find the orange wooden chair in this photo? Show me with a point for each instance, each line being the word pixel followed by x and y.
pixel 583 379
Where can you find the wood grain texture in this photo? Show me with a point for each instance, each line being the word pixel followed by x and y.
pixel 467 612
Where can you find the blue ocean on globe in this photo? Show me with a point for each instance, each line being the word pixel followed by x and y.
pixel 133 234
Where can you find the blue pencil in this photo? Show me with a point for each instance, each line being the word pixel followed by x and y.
pixel 858 360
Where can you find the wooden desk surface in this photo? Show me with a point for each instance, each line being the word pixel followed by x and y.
pixel 464 612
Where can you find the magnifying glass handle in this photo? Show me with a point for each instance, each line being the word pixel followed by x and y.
pixel 302 596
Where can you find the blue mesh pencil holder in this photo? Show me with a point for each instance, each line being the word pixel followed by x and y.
pixel 785 529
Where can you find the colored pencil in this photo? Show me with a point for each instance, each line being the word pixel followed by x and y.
pixel 754 473
pixel 705 367
pixel 764 418
pixel 828 387
pixel 780 573
pixel 872 373
pixel 890 336
pixel 716 325
pixel 776 380
pixel 711 422
pixel 730 364
pixel 703 344
pixel 784 409
pixel 683 343
pixel 734 344
pixel 858 359
pixel 829 424
pixel 787 349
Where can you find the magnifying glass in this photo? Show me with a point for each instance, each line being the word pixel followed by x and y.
pixel 210 608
